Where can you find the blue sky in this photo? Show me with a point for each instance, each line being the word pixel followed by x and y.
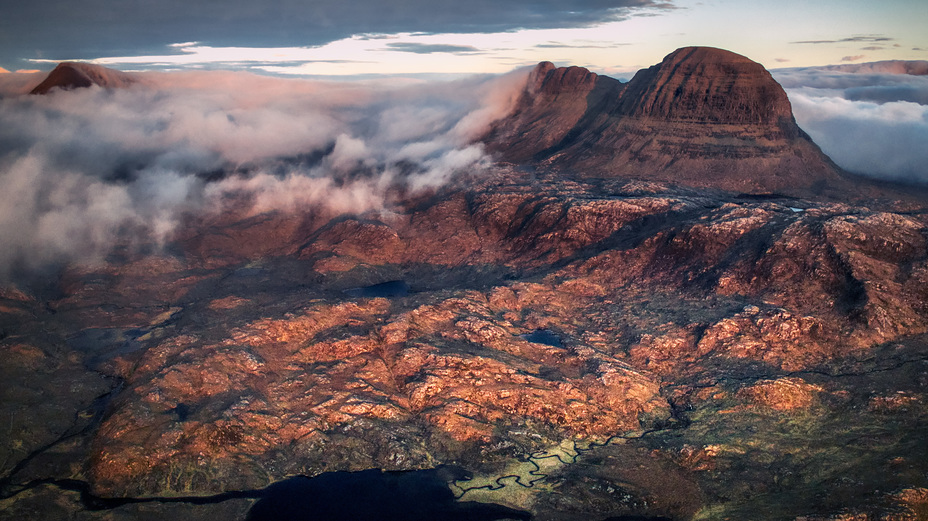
pixel 336 37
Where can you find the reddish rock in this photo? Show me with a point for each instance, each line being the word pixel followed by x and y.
pixel 555 101
pixel 783 394
pixel 709 86
pixel 702 117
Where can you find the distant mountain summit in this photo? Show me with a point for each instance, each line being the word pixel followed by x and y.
pixel 702 117
pixel 73 75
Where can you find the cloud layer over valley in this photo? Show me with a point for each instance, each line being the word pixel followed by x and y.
pixel 87 168
pixel 872 119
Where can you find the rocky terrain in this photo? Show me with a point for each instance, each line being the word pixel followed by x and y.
pixel 664 302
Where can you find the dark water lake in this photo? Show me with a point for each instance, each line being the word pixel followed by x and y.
pixel 374 495
pixel 393 288
pixel 543 336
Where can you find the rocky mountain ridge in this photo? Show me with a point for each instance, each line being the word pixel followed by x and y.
pixel 702 117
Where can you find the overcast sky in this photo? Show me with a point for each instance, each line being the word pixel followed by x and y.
pixel 349 37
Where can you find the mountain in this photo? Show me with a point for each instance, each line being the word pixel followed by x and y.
pixel 74 75
pixel 590 331
pixel 702 117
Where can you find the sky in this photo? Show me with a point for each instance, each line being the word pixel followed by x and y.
pixel 361 37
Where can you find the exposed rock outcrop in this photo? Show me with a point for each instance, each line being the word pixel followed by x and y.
pixel 257 359
pixel 556 103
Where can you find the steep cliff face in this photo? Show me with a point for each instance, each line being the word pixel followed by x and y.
pixel 73 75
pixel 554 104
pixel 709 86
pixel 702 117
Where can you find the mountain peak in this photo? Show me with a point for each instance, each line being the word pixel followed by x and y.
pixel 552 80
pixel 710 85
pixel 75 75
pixel 537 77
pixel 553 102
pixel 702 117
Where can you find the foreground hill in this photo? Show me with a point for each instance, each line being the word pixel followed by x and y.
pixel 577 344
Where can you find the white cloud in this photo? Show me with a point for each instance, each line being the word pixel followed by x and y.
pixel 883 140
pixel 868 122
pixel 84 169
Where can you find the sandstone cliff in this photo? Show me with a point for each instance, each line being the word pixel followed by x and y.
pixel 702 117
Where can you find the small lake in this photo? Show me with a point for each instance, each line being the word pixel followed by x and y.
pixel 374 495
pixel 543 336
pixel 391 289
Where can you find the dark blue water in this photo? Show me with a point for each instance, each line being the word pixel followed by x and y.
pixel 543 336
pixel 182 412
pixel 247 272
pixel 637 518
pixel 394 288
pixel 374 495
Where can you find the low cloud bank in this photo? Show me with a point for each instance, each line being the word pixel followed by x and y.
pixel 16 83
pixel 83 170
pixel 871 119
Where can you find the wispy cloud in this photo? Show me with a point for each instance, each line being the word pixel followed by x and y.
pixel 65 28
pixel 859 39
pixel 431 48
pixel 856 57
pixel 580 45
pixel 191 54
pixel 357 55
